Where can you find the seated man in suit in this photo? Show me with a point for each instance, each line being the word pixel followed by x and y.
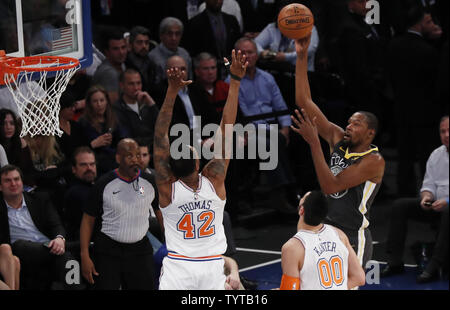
pixel 29 222
pixel 219 32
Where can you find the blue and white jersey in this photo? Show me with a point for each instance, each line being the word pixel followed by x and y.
pixel 193 222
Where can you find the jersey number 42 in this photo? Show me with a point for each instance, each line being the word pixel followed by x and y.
pixel 187 225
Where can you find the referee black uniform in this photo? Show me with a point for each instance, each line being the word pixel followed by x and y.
pixel 122 254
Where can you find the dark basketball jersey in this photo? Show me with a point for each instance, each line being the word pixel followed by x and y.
pixel 350 208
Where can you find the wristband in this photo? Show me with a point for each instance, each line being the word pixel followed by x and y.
pixel 448 204
pixel 61 237
pixel 234 77
pixel 289 283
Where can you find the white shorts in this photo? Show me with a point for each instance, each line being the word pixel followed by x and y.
pixel 178 273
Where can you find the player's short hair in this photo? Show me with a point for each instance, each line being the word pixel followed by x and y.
pixel 315 207
pixel 184 166
pixel 371 120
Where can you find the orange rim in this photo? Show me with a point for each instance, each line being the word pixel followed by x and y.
pixel 16 65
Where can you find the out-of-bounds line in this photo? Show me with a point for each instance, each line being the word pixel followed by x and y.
pixel 260 265
pixel 258 251
pixel 406 265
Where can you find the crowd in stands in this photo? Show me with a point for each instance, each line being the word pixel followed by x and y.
pixel 353 66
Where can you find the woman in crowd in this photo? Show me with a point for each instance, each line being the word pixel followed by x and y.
pixel 101 129
pixel 16 148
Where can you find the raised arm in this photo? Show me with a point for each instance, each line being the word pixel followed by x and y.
pixel 161 144
pixel 216 169
pixel 327 130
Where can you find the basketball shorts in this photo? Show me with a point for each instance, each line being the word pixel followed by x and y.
pixel 183 273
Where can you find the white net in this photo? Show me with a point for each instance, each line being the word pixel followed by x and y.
pixel 37 98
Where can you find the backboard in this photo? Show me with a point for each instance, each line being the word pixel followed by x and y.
pixel 47 27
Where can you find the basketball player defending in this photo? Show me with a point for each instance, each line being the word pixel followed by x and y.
pixel 319 256
pixel 192 203
pixel 356 167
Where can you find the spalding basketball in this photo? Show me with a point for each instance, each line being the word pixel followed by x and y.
pixel 295 21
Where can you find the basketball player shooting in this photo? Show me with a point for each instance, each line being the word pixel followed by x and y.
pixel 192 203
pixel 356 168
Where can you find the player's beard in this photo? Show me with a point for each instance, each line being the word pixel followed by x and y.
pixel 347 143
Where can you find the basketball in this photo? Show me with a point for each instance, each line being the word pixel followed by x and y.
pixel 295 21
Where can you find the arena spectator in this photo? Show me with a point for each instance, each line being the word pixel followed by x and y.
pixel 359 57
pixel 219 33
pixel 138 56
pixel 72 136
pixel 275 48
pixel 136 110
pixel 431 206
pixel 50 171
pixel 101 128
pixel 16 148
pixel 107 74
pixel 36 234
pixel 264 10
pixel 171 31
pixel 84 169
pixel 230 7
pixel 207 84
pixel 412 65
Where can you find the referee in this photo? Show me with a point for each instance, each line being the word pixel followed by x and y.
pixel 121 202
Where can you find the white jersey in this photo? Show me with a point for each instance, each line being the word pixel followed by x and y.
pixel 193 222
pixel 325 266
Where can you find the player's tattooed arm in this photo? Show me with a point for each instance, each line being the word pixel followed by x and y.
pixel 161 144
pixel 217 168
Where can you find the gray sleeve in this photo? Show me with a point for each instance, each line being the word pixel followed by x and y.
pixel 107 77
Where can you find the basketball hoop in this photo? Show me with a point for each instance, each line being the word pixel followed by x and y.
pixel 38 102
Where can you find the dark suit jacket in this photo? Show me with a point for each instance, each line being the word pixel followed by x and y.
pixel 201 108
pixel 142 127
pixel 413 65
pixel 199 36
pixel 42 212
pixel 256 19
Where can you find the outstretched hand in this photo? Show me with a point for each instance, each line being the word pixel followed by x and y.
pixel 239 63
pixel 175 79
pixel 302 45
pixel 305 127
